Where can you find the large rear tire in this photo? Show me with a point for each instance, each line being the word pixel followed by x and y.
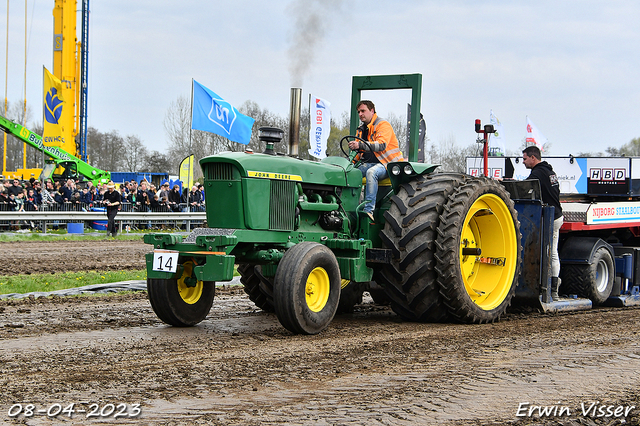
pixel 378 294
pixel 410 231
pixel 478 252
pixel 593 281
pixel 181 302
pixel 258 287
pixel 307 288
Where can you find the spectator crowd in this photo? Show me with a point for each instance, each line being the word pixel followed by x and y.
pixel 143 196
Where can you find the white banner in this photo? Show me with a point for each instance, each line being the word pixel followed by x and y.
pixel 534 136
pixel 320 128
pixel 497 140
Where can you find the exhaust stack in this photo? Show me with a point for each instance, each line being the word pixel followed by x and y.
pixel 294 121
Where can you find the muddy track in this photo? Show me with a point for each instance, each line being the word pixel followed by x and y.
pixel 239 366
pixel 37 257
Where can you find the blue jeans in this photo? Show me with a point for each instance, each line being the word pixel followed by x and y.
pixel 374 172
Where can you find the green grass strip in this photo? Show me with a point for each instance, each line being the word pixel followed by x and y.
pixel 51 282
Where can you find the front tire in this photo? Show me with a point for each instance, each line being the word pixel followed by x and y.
pixel 178 302
pixel 307 288
pixel 478 252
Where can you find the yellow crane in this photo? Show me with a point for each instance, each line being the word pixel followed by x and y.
pixel 67 68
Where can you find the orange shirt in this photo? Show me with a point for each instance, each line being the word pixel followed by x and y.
pixel 383 141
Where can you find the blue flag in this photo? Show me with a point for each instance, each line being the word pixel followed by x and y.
pixel 213 114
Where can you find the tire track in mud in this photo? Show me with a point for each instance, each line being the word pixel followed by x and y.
pixel 239 366
pixel 489 394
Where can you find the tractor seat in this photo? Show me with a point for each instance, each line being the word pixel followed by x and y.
pixel 384 182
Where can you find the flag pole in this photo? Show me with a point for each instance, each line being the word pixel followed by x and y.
pixel 43 119
pixel 190 145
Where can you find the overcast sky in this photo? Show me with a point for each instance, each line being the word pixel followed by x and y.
pixel 571 66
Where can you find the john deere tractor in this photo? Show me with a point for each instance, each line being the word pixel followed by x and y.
pixel 442 247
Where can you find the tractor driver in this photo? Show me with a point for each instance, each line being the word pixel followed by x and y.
pixel 384 149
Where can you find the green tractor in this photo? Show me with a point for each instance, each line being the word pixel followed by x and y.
pixel 442 247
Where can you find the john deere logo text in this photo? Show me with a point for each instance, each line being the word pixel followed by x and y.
pixel 270 175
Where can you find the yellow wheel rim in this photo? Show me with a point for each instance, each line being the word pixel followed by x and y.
pixel 489 227
pixel 317 289
pixel 190 294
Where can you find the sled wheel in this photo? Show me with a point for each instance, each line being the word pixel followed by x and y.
pixel 307 288
pixel 409 281
pixel 181 302
pixel 593 281
pixel 258 287
pixel 478 252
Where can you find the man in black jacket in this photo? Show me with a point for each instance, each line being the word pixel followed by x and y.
pixel 112 201
pixel 16 188
pixel 550 188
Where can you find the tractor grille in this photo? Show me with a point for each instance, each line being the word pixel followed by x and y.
pixel 219 171
pixel 282 205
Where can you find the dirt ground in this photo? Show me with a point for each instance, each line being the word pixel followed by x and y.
pixel 112 357
pixel 37 257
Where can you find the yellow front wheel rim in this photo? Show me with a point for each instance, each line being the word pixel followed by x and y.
pixel 317 289
pixel 190 294
pixel 489 227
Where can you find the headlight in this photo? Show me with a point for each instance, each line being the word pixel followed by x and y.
pixel 395 170
pixel 408 169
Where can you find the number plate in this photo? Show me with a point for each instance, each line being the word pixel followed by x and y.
pixel 165 260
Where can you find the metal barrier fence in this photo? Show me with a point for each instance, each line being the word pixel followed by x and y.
pixel 58 216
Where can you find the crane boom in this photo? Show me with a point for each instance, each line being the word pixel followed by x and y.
pixel 60 157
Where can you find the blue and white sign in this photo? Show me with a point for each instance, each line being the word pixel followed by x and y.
pixel 320 128
pixel 211 113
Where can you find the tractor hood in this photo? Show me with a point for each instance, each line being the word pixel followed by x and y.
pixel 333 171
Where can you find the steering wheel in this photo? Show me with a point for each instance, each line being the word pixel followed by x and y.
pixel 351 155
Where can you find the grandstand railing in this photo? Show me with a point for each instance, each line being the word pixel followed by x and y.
pixel 59 215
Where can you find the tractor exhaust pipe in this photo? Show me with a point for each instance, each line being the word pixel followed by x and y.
pixel 294 121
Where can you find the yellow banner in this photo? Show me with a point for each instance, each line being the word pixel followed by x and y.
pixel 53 134
pixel 186 172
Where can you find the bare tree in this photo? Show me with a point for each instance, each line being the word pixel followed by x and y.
pixel 399 126
pixel 15 147
pixel 106 150
pixel 449 156
pixel 630 149
pixel 176 125
pixel 35 157
pixel 265 118
pixel 135 153
pixel 157 162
